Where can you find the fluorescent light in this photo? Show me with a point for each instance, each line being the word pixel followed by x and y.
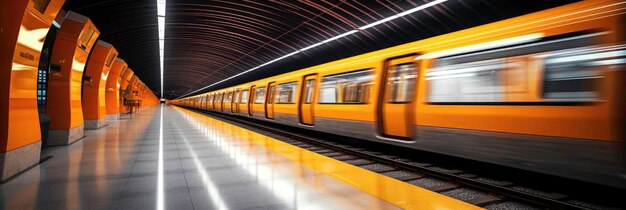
pixel 429 4
pixel 421 7
pixel 161 7
pixel 161 24
pixel 340 36
pixel 424 6
pixel 312 46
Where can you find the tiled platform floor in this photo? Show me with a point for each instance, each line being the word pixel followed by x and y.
pixel 160 159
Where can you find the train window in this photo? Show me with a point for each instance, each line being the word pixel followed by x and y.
pixel 481 85
pixel 310 87
pixel 328 95
pixel 287 93
pixel 259 95
pixel 270 94
pixel 401 83
pixel 347 88
pixel 244 96
pixel 229 97
pixel 573 74
pixel 236 96
pixel 569 67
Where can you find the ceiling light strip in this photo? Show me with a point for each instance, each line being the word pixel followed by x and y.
pixel 413 10
pixel 161 23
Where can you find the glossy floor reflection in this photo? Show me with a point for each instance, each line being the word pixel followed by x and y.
pixel 164 159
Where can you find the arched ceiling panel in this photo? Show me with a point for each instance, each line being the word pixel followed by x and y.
pixel 131 26
pixel 207 41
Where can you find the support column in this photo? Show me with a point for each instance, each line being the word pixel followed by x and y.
pixel 113 88
pixel 94 85
pixel 24 26
pixel 73 43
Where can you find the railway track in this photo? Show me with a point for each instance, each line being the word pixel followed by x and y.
pixel 475 189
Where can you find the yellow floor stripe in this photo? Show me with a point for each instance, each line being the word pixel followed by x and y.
pixel 396 192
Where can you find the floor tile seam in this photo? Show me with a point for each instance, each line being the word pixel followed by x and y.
pixel 193 205
pixel 119 200
pixel 52 186
pixel 256 198
pixel 38 194
pixel 271 137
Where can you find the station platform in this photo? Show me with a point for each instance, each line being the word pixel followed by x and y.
pixel 165 157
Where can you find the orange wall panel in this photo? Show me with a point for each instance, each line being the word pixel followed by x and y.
pixel 113 86
pixel 74 41
pixel 24 28
pixel 96 74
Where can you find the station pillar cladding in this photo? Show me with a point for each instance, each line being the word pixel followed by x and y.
pixel 124 81
pixel 71 48
pixel 94 84
pixel 112 93
pixel 23 29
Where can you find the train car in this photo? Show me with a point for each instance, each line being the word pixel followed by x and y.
pixel 543 92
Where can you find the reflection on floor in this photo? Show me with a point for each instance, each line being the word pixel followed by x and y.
pixel 171 158
pixel 122 166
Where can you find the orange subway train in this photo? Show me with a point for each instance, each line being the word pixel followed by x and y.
pixel 543 92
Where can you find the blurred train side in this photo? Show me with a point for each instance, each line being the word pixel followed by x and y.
pixel 542 92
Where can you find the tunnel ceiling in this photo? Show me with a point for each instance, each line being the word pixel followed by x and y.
pixel 208 41
pixel 131 26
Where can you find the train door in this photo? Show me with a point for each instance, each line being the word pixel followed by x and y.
pixel 243 102
pixel 204 102
pixel 235 108
pixel 212 101
pixel 221 102
pixel 216 98
pixel 269 102
pixel 251 101
pixel 307 99
pixel 228 102
pixel 396 104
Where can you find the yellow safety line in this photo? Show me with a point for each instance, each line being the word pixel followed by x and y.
pixel 394 191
